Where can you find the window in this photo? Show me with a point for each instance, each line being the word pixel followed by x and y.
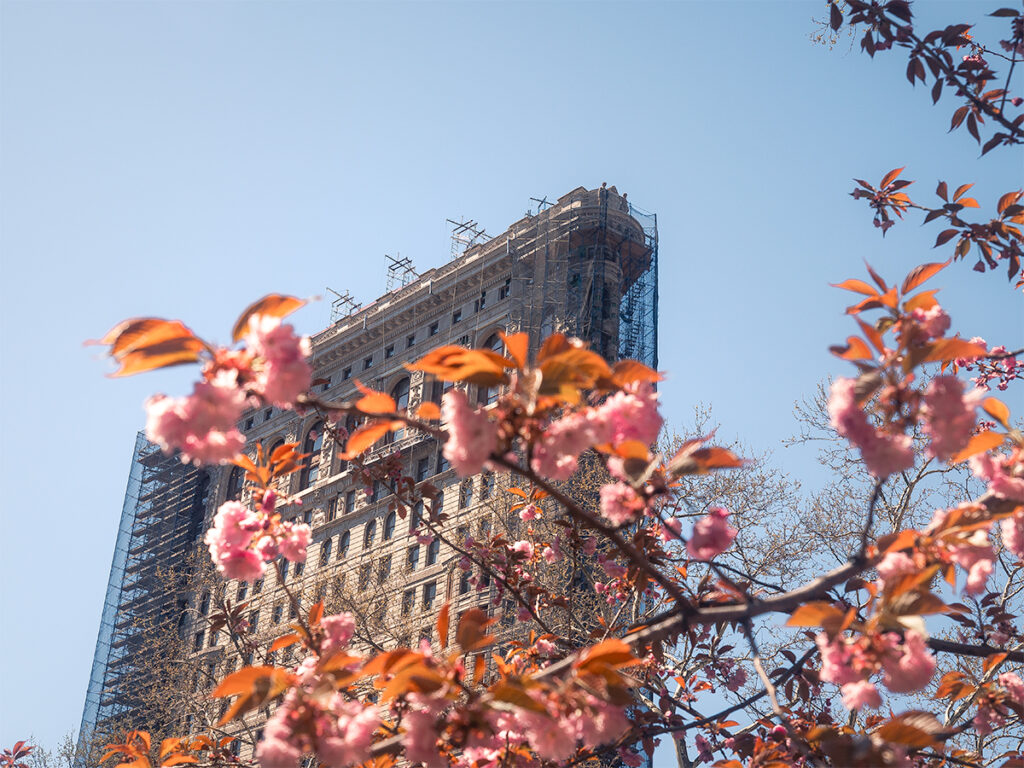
pixel 462 533
pixel 383 569
pixel 463 341
pixel 350 502
pixel 442 463
pixel 325 551
pixel 488 395
pixel 369 534
pixel 267 414
pixel 429 594
pixel 412 557
pixel 389 525
pixel 464 584
pixel 466 493
pixel 433 548
pixel 257 586
pixel 249 422
pixel 481 302
pixel 197 643
pixel 422 469
pixel 485 528
pixel 307 516
pixel 292 612
pixel 332 509
pixel 204 602
pixel 236 481
pixel 299 568
pixel 410 341
pixel 436 505
pixel 415 516
pixel 378 490
pixel 389 351
pixel 213 638
pixel 343 542
pixel 408 598
pixel 456 316
pixel 242 591
pixel 346 374
pixel 486 486
pixel 364 575
pixel 506 289
pixel 312 445
pixel 254 620
pixel 432 331
pixel 368 363
pixel 400 394
pixel 284 570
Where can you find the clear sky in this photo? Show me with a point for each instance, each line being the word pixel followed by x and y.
pixel 184 158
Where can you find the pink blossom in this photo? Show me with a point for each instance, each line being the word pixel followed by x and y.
pixel 911 670
pixel 836 660
pixel 524 549
pixel 555 454
pixel 544 646
pixel 704 753
pixel 632 414
pixel 1012 530
pixel 1001 472
pixel 895 564
pixel 284 373
pixel 589 545
pixel 233 529
pixel 338 630
pixel 420 738
pixel 630 758
pixel 883 453
pixel 546 736
pixel 527 513
pixel 671 529
pixel 347 739
pixel 949 416
pixel 976 557
pixel 472 437
pixel 711 535
pixel 550 555
pixel 861 693
pixel 297 538
pixel 934 322
pixel 620 504
pixel 1014 686
pixel 202 425
pixel 277 750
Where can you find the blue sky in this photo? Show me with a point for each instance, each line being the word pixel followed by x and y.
pixel 182 159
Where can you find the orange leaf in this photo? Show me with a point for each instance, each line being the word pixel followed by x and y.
pixel 452 363
pixel 179 760
pixel 627 371
pixel 612 652
pixel 915 729
pixel 373 401
pixel 272 305
pixel 364 437
pixel 814 614
pixel 889 178
pixel 981 442
pixel 442 626
pixel 923 300
pixel 961 190
pixel 692 459
pixel 997 410
pixel 893 542
pixel 855 349
pixel 428 411
pixel 145 343
pixel 969 202
pixel 283 642
pixel 241 681
pixel 919 274
pixel 163 355
pixel 945 350
pixel 516 344
pixel 857 286
pixel 1007 200
pixel 993 660
pixel 470 632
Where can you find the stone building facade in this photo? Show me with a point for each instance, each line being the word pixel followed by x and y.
pixel 585 265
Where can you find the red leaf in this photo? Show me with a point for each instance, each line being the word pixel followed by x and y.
pixel 274 305
pixel 889 178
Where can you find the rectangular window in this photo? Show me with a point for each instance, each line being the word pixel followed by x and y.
pixel 364 575
pixel 257 586
pixel 197 644
pixel 506 289
pixel 464 584
pixel 408 598
pixel 481 302
pixel 415 516
pixel 389 351
pixel 465 494
pixel 332 509
pixel 383 569
pixel 299 568
pixel 422 469
pixel 254 621
pixel 463 341
pixel 307 516
pixel 278 613
pixel 213 638
pixel 249 422
pixel 368 362
pixel 412 557
pixel 242 591
pixel 429 594
pixel 462 533
pixel 456 316
pixel 433 548
pixel 410 341
pixel 346 374
pixel 442 463
pixel 486 486
pixel 432 331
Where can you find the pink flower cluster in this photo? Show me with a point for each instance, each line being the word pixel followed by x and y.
pixel 712 535
pixel 472 437
pixel 883 453
pixel 933 322
pixel 620 504
pixel 971 551
pixel 995 706
pixel 243 540
pixel 340 734
pixel 1003 369
pixel 1012 530
pixel 907 665
pixel 949 416
pixel 1004 473
pixel 631 414
pixel 282 373
pixel 202 425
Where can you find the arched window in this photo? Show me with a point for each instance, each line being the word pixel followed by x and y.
pixel 369 534
pixel 325 551
pixel 389 526
pixel 236 479
pixel 311 465
pixel 488 395
pixel 400 394
pixel 343 542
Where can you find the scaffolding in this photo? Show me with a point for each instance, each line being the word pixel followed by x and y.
pixel 161 519
pixel 587 266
